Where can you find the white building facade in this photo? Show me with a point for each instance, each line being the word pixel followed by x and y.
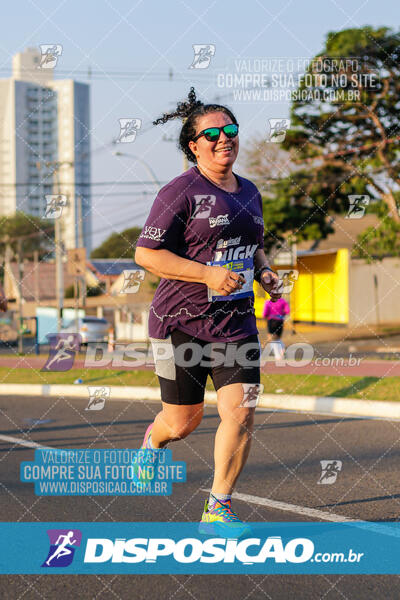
pixel 44 120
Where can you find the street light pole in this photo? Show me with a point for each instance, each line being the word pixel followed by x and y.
pixel 142 162
pixel 57 238
pixel 59 264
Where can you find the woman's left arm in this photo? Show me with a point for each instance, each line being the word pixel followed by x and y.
pixel 267 278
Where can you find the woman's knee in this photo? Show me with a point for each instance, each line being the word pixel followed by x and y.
pixel 240 416
pixel 185 423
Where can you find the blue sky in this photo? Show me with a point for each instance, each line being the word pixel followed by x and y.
pixel 131 48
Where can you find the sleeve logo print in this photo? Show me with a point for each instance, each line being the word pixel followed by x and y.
pixel 204 204
pixel 153 233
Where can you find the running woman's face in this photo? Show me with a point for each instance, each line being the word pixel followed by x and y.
pixel 221 153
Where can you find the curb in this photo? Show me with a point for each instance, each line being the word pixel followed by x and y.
pixel 310 404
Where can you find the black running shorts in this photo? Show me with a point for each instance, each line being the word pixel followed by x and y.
pixel 275 326
pixel 183 364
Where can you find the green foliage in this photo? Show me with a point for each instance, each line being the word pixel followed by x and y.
pixel 374 243
pixel 338 146
pixel 118 245
pixel 35 233
pixel 90 291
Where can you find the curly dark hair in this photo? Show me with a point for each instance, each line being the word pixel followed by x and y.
pixel 189 112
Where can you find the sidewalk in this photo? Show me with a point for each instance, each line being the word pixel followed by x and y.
pixel 338 366
pixel 319 333
pixel 308 404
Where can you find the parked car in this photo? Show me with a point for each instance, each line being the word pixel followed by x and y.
pixel 91 329
pixel 8 330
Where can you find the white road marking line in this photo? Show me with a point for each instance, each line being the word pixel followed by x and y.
pixel 27 443
pixel 301 510
pixel 315 513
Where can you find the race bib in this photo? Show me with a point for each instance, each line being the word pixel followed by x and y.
pixel 244 267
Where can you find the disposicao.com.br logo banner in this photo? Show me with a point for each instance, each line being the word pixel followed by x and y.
pixel 162 548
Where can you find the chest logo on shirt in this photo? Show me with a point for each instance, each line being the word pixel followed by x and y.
pixel 219 220
pixel 230 242
pixel 241 252
pixel 204 204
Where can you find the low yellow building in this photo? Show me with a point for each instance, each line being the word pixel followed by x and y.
pixel 321 292
pixel 334 288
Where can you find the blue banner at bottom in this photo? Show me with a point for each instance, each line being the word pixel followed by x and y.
pixel 161 548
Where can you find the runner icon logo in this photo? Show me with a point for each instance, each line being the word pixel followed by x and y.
pixel 63 347
pixel 251 394
pixel 288 280
pixel 132 281
pixel 278 128
pixel 97 397
pixel 50 54
pixel 330 470
pixel 357 206
pixel 202 55
pixel 63 543
pixel 204 204
pixel 128 130
pixel 54 205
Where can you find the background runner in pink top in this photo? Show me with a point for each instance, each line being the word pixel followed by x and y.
pixel 276 310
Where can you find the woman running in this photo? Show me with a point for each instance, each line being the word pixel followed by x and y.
pixel 204 238
pixel 275 313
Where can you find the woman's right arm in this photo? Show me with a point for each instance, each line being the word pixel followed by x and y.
pixel 169 265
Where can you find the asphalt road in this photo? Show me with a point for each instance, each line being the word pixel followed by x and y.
pixel 283 466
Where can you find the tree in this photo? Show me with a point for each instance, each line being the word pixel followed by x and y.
pixel 350 145
pixel 344 133
pixel 118 245
pixel 287 214
pixel 374 243
pixel 33 232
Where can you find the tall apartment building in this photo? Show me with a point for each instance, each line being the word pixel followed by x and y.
pixel 43 120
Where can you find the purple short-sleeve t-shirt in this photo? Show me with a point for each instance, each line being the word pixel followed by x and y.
pixel 199 221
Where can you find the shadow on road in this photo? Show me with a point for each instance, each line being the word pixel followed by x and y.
pixel 361 501
pixel 356 387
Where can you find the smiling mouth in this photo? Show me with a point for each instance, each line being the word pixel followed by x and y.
pixel 225 149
